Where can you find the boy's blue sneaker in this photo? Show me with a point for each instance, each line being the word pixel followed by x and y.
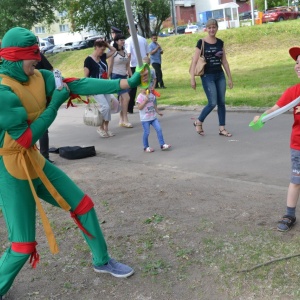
pixel 115 268
pixel 286 223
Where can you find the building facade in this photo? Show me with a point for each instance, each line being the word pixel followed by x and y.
pixel 189 10
pixel 60 32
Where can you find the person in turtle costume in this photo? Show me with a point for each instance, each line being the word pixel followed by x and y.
pixel 25 175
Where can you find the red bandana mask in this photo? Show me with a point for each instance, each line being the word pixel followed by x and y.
pixel 21 53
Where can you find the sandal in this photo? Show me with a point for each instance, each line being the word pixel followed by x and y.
pixel 109 133
pixel 201 132
pixel 102 133
pixel 286 223
pixel 127 125
pixel 224 132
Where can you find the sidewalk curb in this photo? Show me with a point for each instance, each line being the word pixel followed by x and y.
pixel 242 109
pixel 198 108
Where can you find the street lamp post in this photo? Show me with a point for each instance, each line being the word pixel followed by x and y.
pixel 252 11
pixel 174 16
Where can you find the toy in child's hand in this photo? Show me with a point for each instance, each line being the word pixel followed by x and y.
pixel 139 69
pixel 155 93
pixel 58 78
pixel 266 117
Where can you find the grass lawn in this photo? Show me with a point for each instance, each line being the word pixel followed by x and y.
pixel 258 57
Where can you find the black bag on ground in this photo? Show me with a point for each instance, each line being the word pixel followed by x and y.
pixel 76 152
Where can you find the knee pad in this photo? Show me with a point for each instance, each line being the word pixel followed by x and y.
pixel 27 248
pixel 85 205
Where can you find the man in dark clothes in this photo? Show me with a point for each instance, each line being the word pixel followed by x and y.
pixel 114 31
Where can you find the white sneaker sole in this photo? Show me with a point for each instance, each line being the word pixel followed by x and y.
pixel 115 275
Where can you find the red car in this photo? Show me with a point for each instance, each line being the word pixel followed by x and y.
pixel 278 14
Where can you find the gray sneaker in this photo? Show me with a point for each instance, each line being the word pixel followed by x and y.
pixel 115 268
pixel 286 223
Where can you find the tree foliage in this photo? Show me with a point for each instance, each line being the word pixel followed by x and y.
pixel 260 4
pixel 100 15
pixel 143 8
pixel 25 13
pixel 97 15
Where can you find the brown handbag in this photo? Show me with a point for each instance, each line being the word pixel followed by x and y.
pixel 199 68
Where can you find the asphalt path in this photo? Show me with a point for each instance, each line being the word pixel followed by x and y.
pixel 261 157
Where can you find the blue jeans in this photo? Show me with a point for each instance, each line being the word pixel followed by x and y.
pixel 214 86
pixel 146 127
pixel 118 76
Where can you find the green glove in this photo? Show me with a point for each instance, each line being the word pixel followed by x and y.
pixel 135 79
pixel 59 97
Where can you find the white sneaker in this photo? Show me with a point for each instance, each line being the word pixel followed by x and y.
pixel 165 147
pixel 149 150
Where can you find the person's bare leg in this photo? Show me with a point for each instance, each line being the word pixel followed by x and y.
pixel 105 125
pixel 293 195
pixel 125 102
pixel 101 127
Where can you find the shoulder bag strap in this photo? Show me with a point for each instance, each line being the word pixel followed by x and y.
pixel 202 48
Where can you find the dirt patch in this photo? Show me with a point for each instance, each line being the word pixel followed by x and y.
pixel 167 224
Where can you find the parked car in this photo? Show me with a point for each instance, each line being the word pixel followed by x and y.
pixel 75 45
pixel 191 29
pixel 245 15
pixel 278 14
pixel 46 48
pixel 59 48
pixel 88 43
pixel 180 29
pixel 161 34
pixel 44 45
pixel 91 40
pixel 81 45
pixel 50 51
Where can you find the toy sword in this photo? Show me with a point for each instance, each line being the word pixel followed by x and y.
pixel 131 24
pixel 266 117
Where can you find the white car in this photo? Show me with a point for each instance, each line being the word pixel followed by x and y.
pixel 44 45
pixel 191 29
pixel 61 48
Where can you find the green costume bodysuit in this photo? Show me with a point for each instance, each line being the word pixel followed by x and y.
pixel 25 176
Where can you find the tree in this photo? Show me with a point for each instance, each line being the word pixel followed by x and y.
pixel 97 15
pixel 159 8
pixel 26 13
pixel 162 10
pixel 260 4
pixel 100 15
